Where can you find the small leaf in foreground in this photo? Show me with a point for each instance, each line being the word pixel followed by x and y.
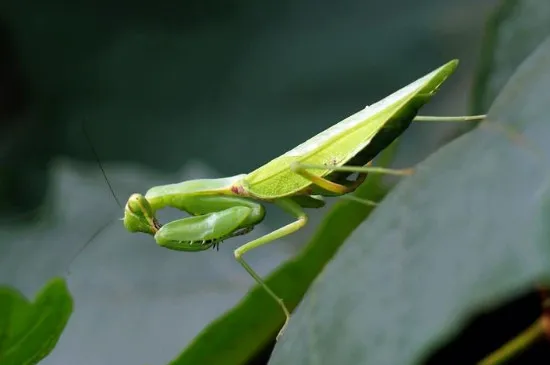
pixel 29 331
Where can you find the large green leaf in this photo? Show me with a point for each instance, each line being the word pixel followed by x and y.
pixel 29 331
pixel 466 233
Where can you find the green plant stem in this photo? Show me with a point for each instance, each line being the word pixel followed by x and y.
pixel 516 345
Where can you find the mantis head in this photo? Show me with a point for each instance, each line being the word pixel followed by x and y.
pixel 139 216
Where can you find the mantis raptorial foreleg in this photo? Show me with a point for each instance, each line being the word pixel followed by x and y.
pixel 295 210
pixel 204 231
pixel 210 224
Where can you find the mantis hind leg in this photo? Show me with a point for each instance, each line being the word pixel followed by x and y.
pixel 342 189
pixel 301 219
pixel 331 186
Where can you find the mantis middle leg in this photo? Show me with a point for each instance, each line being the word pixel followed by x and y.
pixel 295 210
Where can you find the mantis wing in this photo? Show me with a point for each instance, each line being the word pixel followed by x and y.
pixel 356 139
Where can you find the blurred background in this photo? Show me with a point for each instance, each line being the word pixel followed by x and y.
pixel 169 91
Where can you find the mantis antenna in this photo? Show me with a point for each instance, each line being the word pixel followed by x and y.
pixel 107 224
pixel 96 156
pixel 92 238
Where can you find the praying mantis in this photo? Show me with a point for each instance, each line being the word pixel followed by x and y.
pixel 223 208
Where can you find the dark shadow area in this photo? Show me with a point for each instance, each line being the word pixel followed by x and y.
pixel 488 332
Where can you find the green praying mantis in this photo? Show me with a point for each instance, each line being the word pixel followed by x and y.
pixel 322 166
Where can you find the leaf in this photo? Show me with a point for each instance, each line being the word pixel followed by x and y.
pixel 251 325
pixel 29 331
pixel 463 235
pixel 13 307
pixel 515 29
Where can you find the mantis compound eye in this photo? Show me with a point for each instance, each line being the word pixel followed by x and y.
pixel 138 204
pixel 139 216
